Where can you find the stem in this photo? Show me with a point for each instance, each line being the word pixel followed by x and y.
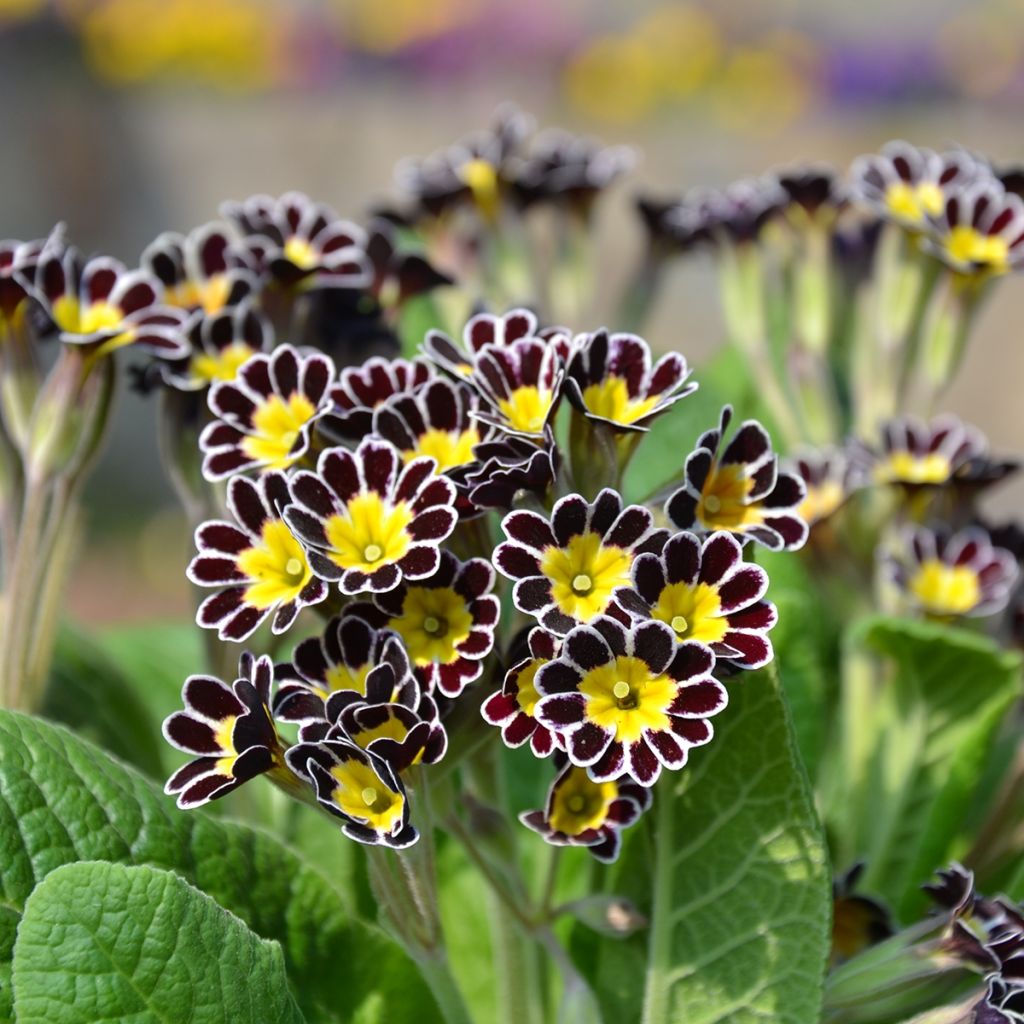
pixel 438 976
pixel 660 942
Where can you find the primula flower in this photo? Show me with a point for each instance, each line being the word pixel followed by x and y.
pixel 830 478
pixel 521 384
pixel 229 728
pixel 221 344
pixel 914 453
pixel 1003 1003
pixel 300 243
pixel 394 732
pixel 568 568
pixel 362 389
pixel 582 812
pixel 344 659
pixel 508 466
pixel 673 228
pixel 611 381
pixel 104 305
pixel 979 229
pixel 265 414
pixel 740 489
pixel 946 575
pixel 358 787
pixel 481 331
pixel 739 211
pixel 627 701
pixel 18 262
pixel 816 196
pixel 258 567
pixel 397 276
pixel 909 185
pixel 197 270
pixel 706 592
pixel 446 621
pixel 512 707
pixel 367 522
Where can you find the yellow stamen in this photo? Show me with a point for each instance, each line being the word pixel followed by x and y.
pixel 580 804
pixel 278 565
pixel 611 399
pixel 723 502
pixel 372 552
pixel 693 611
pixel 276 424
pixel 369 533
pixel 621 690
pixel 482 178
pixel 369 796
pixel 584 574
pixel 643 704
pixel 582 584
pixel 300 252
pixel 360 794
pixel 679 623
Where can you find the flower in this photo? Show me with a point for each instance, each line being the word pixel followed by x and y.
pixel 362 389
pixel 705 591
pixel 264 415
pixel 979 229
pixel 951 574
pixel 829 476
pixel 582 812
pixel 915 453
pixel 858 922
pixel 221 343
pixel 446 621
pixel 300 243
pixel 611 381
pixel 627 701
pixel 738 212
pixel 258 567
pixel 366 521
pixel 197 270
pixel 360 788
pixel 672 225
pixel 344 659
pixel 397 276
pixel 102 304
pixel 482 330
pixel 816 195
pixel 18 262
pixel 1003 1003
pixel 512 707
pixel 741 490
pixel 229 728
pixel 568 568
pixel 395 733
pixel 908 185
pixel 521 383
pixel 508 465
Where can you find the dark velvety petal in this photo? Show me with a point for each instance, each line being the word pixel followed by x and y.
pixel 476 578
pixel 191 735
pixel 218 465
pixel 209 787
pixel 630 526
pixel 791 528
pixel 750 444
pixel 568 520
pixel 380 466
pixel 623 811
pixel 421 561
pixel 648 577
pixel 587 648
pixel 533 594
pixel 252 762
pixel 788 492
pixel 668 749
pixel 762 615
pixel 435 524
pixel 221 537
pixel 499 707
pixel 561 710
pixel 606 509
pixel 693 731
pixel 642 763
pixel 766 535
pixel 722 552
pixel 615 634
pixel 542 741
pixel 655 643
pixel 611 764
pixel 754 650
pixel 212 571
pixel 211 698
pixel 516 562
pixel 587 743
pixel 188 773
pixel 681 509
pixel 246 504
pixel 557 677
pixel 529 529
pixel 699 699
pixel 764 478
pixel 386 577
pixel 218 607
pixel 744 587
pixel 314 495
pixel 682 558
pixel 242 624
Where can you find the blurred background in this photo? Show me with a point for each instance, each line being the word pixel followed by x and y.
pixel 125 118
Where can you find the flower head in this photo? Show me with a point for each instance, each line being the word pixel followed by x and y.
pixel 914 453
pixel 446 622
pixel 482 331
pixel 830 478
pixel 102 304
pixel 394 732
pixel 509 465
pixel 736 213
pixel 627 701
pixel 568 568
pixel 705 591
pixel 197 270
pixel 947 575
pixel 858 922
pixel 582 812
pixel 611 381
pixel 367 521
pixel 815 195
pixel 359 787
pixel 18 262
pixel 397 275
pixel 265 414
pixel 257 566
pixel 300 243
pixel 739 489
pixel 512 707
pixel 521 384
pixel 230 730
pixel 979 229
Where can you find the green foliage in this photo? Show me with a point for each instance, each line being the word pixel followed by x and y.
pixel 9 919
pixel 741 899
pixel 62 800
pixel 107 942
pixel 917 739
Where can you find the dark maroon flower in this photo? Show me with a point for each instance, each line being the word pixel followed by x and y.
pixel 508 466
pixel 398 276
pixel 483 330
pixel 914 453
pixel 628 701
pixel 980 230
pixel 18 262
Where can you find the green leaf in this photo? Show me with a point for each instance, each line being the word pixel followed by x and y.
pixel 103 942
pixel 8 930
pixel 918 739
pixel 63 800
pixel 740 903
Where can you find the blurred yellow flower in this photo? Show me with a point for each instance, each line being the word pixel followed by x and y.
pixel 15 10
pixel 685 46
pixel 759 90
pixel 380 27
pixel 614 78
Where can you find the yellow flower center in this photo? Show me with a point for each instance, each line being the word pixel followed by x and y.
pixel 584 574
pixel 224 365
pixel 210 295
pixel 391 728
pixel 580 803
pixel 722 503
pixel 449 448
pixel 626 698
pixel 361 795
pixel 301 253
pixel 369 533
pixel 821 501
pixel 224 738
pixel 610 399
pixel 693 611
pixel 914 202
pixel 482 178
pixel 278 566
pixel 277 424
pixel 907 468
pixel 966 245
pixel 344 677
pixel 70 316
pixel 527 408
pixel 527 695
pixel 434 621
pixel 946 589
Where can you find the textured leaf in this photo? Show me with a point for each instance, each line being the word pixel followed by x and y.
pixel 8 929
pixel 104 942
pixel 63 800
pixel 734 880
pixel 924 733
